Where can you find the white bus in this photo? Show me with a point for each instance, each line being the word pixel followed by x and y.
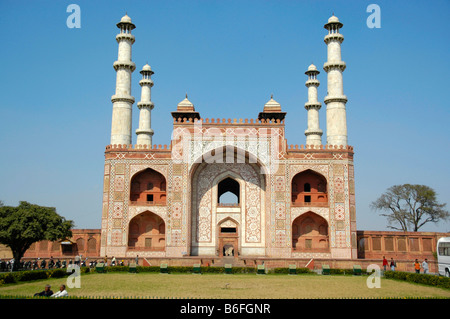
pixel 443 255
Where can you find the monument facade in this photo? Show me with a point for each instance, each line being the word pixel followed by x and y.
pixel 232 187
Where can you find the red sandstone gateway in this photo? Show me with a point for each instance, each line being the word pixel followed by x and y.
pixel 291 204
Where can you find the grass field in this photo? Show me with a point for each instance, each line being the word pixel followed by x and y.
pixel 242 286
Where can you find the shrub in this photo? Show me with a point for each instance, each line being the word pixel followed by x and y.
pixel 58 273
pixel 85 270
pixel 286 271
pixel 8 278
pixel 335 271
pixel 117 268
pixel 31 275
pixel 424 279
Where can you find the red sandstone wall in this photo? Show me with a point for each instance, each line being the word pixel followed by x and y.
pixel 404 247
pixel 85 242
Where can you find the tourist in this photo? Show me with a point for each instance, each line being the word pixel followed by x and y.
pixel 425 266
pixel 51 263
pixel 385 263
pixel 417 266
pixel 393 264
pixel 47 292
pixel 61 293
pixel 77 260
pixel 137 260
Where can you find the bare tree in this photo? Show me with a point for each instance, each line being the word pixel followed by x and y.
pixel 410 207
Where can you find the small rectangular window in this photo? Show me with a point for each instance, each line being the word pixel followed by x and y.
pixel 227 230
pixel 307 199
pixel 149 198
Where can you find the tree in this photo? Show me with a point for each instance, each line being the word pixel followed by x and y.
pixel 410 206
pixel 27 223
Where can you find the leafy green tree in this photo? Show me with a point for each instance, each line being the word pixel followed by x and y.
pixel 410 207
pixel 27 223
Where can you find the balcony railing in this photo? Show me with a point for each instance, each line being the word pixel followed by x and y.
pixel 147 203
pixel 309 204
pixel 228 205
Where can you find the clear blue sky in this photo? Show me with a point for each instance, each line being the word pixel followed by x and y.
pixel 56 84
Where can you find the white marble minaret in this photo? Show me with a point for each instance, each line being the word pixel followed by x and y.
pixel 313 133
pixel 145 132
pixel 122 99
pixel 335 100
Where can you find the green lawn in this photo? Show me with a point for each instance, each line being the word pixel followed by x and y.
pixel 223 286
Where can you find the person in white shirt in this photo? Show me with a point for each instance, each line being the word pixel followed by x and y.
pixel 425 266
pixel 61 293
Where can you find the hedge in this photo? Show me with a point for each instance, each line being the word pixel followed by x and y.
pixel 182 269
pixel 425 279
pixel 286 271
pixel 30 275
pixel 210 270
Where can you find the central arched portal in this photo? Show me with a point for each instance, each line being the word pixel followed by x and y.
pixel 228 238
pixel 227 209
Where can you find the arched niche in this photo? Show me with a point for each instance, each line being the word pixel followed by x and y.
pixel 148 187
pixel 205 176
pixel 310 233
pixel 146 232
pixel 228 238
pixel 309 188
pixel 228 192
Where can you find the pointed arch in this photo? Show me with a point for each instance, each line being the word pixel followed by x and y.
pixel 146 232
pixel 228 186
pixel 203 184
pixel 310 233
pixel 309 188
pixel 228 222
pixel 148 187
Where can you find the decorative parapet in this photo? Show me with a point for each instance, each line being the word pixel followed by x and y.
pixel 125 36
pixel 296 147
pixel 124 64
pixel 334 65
pixel 138 147
pixel 229 121
pixel 333 36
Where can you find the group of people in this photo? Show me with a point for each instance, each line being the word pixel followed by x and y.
pixel 417 265
pixel 6 265
pixel 47 292
pixel 424 266
pixel 38 263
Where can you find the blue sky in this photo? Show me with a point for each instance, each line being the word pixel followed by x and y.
pixel 229 56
